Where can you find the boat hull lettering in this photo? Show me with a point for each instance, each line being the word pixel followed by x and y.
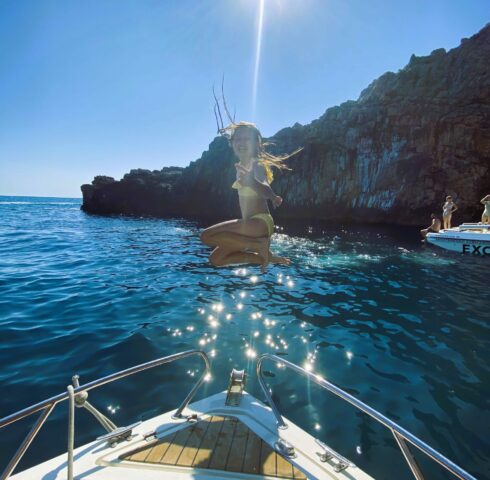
pixel 476 249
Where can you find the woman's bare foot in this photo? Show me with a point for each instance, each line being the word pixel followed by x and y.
pixel 279 260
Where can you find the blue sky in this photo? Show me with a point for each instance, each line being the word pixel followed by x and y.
pixel 103 86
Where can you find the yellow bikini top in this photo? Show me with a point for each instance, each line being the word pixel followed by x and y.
pixel 245 190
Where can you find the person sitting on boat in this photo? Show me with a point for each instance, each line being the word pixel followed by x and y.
pixel 447 211
pixel 435 226
pixel 247 240
pixel 485 218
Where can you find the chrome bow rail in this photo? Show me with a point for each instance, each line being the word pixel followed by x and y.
pixel 47 406
pixel 401 435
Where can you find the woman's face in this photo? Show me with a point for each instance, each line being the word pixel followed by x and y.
pixel 244 143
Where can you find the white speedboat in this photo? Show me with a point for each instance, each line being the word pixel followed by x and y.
pixel 227 435
pixel 471 238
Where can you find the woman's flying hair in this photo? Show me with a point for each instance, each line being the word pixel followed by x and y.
pixel 267 160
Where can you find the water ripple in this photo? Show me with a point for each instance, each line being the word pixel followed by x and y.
pixel 402 326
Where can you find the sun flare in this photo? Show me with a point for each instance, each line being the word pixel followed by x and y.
pixel 258 49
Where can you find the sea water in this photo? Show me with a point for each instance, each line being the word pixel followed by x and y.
pixel 402 326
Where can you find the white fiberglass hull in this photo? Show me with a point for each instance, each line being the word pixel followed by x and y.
pixel 98 460
pixel 462 241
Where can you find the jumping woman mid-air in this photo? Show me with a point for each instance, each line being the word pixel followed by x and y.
pixel 247 239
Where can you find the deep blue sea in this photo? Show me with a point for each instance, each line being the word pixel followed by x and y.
pixel 402 326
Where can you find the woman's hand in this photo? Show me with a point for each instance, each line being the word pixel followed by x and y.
pixel 244 175
pixel 276 201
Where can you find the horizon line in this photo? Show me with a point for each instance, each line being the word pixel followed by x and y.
pixel 41 196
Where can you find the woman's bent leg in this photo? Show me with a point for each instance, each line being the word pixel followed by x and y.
pixel 236 242
pixel 220 257
pixel 249 228
pixel 207 235
pixel 239 235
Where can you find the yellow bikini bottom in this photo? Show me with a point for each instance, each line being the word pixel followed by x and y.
pixel 267 218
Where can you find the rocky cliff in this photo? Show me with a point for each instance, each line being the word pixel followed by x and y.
pixel 392 156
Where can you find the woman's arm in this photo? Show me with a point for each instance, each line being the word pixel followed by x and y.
pixel 257 179
pixel 455 207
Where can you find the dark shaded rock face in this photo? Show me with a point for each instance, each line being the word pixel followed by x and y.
pixel 140 192
pixel 391 156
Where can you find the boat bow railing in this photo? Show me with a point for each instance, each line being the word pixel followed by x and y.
pixel 80 391
pixel 401 435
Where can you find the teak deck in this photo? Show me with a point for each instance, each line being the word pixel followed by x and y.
pixel 218 443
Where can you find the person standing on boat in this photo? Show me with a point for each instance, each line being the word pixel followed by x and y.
pixel 435 226
pixel 485 218
pixel 247 240
pixel 447 211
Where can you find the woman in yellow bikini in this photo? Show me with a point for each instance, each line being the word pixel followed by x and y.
pixel 247 240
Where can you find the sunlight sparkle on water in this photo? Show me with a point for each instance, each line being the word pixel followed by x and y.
pixel 250 353
pixel 218 307
pixel 240 271
pixel 112 409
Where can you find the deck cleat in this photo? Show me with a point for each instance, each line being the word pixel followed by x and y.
pixel 119 434
pixel 328 453
pixel 194 417
pixel 285 448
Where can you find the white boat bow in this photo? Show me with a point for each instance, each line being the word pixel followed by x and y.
pixel 227 435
